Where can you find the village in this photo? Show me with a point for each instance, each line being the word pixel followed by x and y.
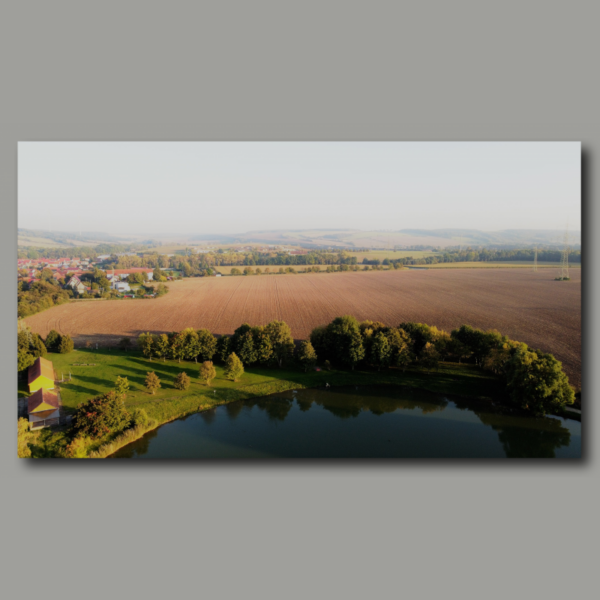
pixel 68 272
pixel 124 282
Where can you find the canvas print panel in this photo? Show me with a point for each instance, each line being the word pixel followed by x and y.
pixel 299 300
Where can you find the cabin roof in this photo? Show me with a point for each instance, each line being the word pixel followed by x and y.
pixel 41 367
pixel 42 399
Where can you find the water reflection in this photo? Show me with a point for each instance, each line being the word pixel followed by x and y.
pixel 367 422
pixel 139 447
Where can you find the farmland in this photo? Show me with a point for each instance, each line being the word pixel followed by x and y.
pixel 524 305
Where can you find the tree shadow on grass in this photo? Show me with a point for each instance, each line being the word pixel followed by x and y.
pixel 157 366
pixel 79 389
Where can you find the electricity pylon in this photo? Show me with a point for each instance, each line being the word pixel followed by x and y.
pixel 535 260
pixel 564 259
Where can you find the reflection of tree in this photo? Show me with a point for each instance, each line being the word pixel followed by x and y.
pixel 208 416
pixel 139 447
pixel 344 403
pixel 304 405
pixel 276 408
pixel 233 409
pixel 536 443
pixel 343 412
pixel 536 437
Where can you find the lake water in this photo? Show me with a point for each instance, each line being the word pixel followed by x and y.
pixel 359 422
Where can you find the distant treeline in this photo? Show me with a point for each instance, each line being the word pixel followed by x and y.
pixel 482 255
pixel 535 380
pixel 39 296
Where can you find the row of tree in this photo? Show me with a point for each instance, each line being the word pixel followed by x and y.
pixel 480 255
pixel 40 295
pixel 534 379
pixel 269 344
pixel 30 345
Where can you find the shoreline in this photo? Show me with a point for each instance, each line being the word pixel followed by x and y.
pixel 108 449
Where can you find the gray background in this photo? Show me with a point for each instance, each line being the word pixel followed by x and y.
pixel 297 71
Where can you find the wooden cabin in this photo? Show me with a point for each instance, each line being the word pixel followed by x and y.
pixel 43 408
pixel 40 375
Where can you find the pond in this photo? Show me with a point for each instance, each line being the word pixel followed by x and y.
pixel 359 422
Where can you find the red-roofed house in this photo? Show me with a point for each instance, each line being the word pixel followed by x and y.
pixel 40 375
pixel 76 284
pixel 43 407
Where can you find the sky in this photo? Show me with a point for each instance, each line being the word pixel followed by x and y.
pixel 186 188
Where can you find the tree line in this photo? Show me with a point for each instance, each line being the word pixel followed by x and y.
pixel 31 346
pixel 535 380
pixel 479 255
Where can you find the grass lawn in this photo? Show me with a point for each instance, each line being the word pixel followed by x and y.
pixel 90 381
pixel 169 403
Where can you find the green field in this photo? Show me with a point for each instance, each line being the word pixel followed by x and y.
pixel 168 402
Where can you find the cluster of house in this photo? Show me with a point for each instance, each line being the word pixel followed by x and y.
pixel 43 406
pixel 60 267
pixel 115 277
pixel 75 268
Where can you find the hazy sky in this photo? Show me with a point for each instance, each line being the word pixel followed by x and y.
pixel 223 187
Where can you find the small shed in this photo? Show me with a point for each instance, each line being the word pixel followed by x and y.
pixel 43 408
pixel 40 375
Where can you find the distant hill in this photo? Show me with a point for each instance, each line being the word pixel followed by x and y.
pixel 404 238
pixel 64 239
pixel 320 238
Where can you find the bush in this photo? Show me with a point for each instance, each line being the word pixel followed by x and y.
pixel 66 344
pixel 139 418
pixel 101 415
pixel 53 340
pixel 152 382
pixel 24 436
pixel 78 447
pixel 182 382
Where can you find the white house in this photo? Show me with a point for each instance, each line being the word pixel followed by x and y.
pixel 76 284
pixel 120 286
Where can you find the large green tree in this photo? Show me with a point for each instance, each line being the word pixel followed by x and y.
pixel 207 344
pixel 161 345
pixel 207 372
pixel 191 344
pixel 380 351
pixel 234 368
pixel 307 356
pixel 146 344
pixel 536 381
pixel 177 345
pixel 282 342
pixel 223 347
pixel 345 340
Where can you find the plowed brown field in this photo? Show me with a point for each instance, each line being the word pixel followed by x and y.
pixel 526 306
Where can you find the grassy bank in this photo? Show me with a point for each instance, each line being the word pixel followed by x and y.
pixel 103 367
